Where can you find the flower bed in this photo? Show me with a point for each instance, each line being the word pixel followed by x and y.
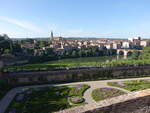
pixel 132 85
pixel 76 94
pixel 76 100
pixel 40 100
pixel 105 93
pixel 46 99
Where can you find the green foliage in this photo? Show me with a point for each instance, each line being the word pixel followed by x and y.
pixel 145 53
pixel 43 43
pixel 16 47
pixel 75 92
pixel 7 52
pixel 28 40
pixel 5 43
pixel 135 55
pixel 74 54
pixel 52 65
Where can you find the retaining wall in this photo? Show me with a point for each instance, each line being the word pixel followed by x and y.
pixel 75 75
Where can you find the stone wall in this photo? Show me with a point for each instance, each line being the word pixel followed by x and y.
pixel 128 103
pixel 1 64
pixel 75 75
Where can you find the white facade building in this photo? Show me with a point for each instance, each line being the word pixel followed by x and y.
pixel 126 44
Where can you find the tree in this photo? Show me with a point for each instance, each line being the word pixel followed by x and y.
pixel 49 52
pixel 80 53
pixel 16 47
pixel 41 53
pixel 145 53
pixel 29 40
pixel 135 55
pixel 43 43
pixel 5 43
pixel 7 52
pixel 74 53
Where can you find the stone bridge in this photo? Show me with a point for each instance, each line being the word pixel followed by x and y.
pixel 126 52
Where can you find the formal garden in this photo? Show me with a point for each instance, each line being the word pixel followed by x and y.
pixel 132 85
pixel 105 93
pixel 47 99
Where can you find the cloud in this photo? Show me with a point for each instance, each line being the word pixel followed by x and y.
pixel 23 24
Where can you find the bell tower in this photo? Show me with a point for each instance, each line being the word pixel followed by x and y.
pixel 51 35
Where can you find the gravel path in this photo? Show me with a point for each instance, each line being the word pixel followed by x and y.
pixel 4 103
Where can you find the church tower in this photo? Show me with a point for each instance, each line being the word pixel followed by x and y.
pixel 51 35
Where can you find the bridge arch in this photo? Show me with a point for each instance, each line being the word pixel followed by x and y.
pixel 126 52
pixel 129 53
pixel 120 52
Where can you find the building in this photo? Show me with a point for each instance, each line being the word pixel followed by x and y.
pixel 116 46
pixel 136 42
pixel 109 46
pixel 145 43
pixel 126 44
pixel 134 38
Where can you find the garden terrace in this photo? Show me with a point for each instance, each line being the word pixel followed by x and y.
pixel 132 85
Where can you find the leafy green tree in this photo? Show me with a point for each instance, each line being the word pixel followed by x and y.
pixel 135 55
pixel 80 53
pixel 7 52
pixel 43 43
pixel 16 47
pixel 29 40
pixel 41 53
pixel 49 52
pixel 74 53
pixel 145 53
pixel 5 43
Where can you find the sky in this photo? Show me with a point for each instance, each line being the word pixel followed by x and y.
pixel 75 18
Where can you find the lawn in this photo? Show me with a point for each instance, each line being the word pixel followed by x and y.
pixel 132 85
pixel 45 99
pixel 105 93
pixel 78 90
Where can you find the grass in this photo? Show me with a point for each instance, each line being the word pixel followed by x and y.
pixel 78 91
pixel 61 64
pixel 132 85
pixel 105 93
pixel 44 100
